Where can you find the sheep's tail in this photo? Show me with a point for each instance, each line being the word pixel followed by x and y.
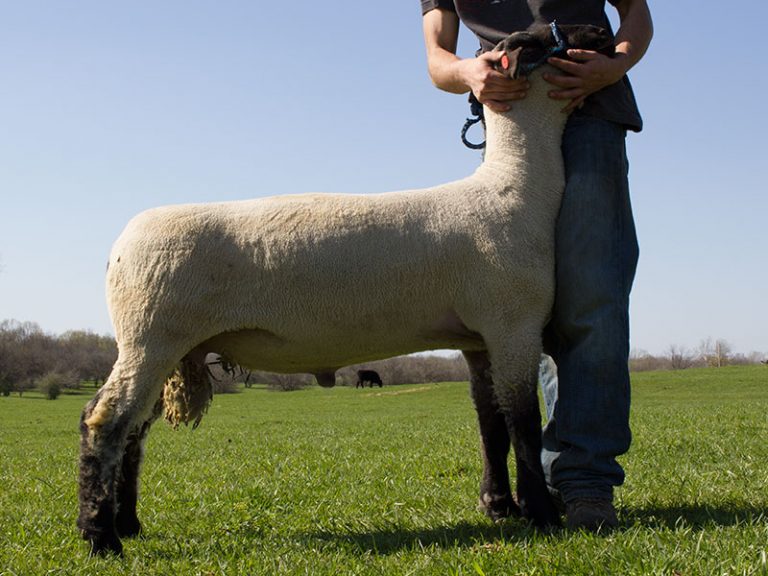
pixel 187 394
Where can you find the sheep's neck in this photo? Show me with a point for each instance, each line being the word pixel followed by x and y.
pixel 525 142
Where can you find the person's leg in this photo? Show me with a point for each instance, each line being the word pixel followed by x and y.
pixel 588 336
pixel 548 385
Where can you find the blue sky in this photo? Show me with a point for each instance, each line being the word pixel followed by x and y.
pixel 108 108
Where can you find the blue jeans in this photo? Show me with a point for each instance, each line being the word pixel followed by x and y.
pixel 586 389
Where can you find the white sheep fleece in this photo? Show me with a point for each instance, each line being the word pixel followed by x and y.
pixel 311 283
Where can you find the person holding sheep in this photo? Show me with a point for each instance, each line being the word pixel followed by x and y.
pixel 586 386
pixel 440 273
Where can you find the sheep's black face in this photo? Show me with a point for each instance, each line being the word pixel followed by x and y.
pixel 525 51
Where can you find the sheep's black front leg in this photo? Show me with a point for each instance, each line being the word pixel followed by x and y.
pixel 495 493
pixel 524 421
pixel 127 489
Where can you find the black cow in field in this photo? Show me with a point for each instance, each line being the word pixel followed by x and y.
pixel 370 376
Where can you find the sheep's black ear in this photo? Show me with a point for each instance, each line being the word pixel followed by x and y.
pixel 518 48
pixel 589 37
pixel 509 61
pixel 515 40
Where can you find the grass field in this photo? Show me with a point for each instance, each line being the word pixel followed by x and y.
pixel 345 481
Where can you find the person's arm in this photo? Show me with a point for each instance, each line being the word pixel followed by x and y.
pixel 592 71
pixel 459 75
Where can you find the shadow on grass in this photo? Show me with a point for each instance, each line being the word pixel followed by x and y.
pixel 461 535
pixel 485 534
pixel 696 516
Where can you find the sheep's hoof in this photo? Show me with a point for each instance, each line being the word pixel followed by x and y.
pixel 127 527
pixel 104 544
pixel 541 512
pixel 497 507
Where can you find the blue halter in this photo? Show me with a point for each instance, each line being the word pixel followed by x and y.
pixel 559 48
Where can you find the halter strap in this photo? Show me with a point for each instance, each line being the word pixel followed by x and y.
pixel 560 47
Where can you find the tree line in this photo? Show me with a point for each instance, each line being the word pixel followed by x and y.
pixel 709 353
pixel 33 359
pixel 412 369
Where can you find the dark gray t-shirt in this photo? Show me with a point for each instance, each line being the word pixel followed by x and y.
pixel 494 20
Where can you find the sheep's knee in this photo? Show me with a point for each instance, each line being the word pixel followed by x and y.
pixel 99 415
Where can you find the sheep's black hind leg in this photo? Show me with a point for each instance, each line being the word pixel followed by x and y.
pixel 127 522
pixel 99 461
pixel 110 442
pixel 495 494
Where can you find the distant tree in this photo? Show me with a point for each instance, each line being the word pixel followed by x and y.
pixel 52 383
pixel 27 354
pixel 23 352
pixel 715 353
pixel 8 362
pixel 755 357
pixel 284 382
pixel 89 356
pixel 679 357
pixel 642 361
pixel 746 359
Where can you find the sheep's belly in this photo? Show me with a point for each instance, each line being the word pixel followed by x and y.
pixel 258 349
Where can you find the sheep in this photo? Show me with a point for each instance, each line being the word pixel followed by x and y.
pixel 370 376
pixel 466 265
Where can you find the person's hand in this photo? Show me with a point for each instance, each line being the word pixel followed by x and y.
pixel 587 73
pixel 490 87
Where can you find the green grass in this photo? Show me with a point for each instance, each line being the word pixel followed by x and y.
pixel 345 481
